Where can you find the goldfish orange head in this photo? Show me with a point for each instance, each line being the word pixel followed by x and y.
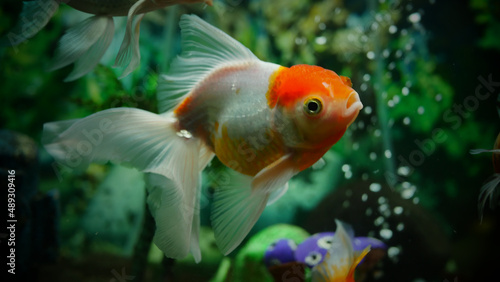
pixel 318 103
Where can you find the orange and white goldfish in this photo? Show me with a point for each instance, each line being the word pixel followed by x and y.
pixel 489 190
pixel 263 121
pixel 340 260
pixel 85 43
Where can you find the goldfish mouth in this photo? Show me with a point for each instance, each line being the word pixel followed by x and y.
pixel 353 105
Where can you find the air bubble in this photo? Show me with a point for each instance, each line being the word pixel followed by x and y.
pixel 398 210
pixel 393 252
pixel 379 220
pixel 363 87
pixel 361 124
pixel 346 204
pixel 368 212
pixel 388 154
pixel 414 18
pixel 408 192
pixel 405 91
pixel 320 40
pixel 355 146
pixel 403 170
pixel 386 233
pixel 184 133
pixel 364 197
pixel 375 187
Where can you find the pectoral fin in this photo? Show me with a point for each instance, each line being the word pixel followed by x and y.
pixel 275 175
pixel 235 210
pixel 239 204
pixel 276 194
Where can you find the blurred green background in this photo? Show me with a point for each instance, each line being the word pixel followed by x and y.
pixel 416 65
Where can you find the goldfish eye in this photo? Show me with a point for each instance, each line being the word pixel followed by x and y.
pixel 313 106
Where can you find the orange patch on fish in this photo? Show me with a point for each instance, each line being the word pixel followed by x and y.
pixel 271 95
pixel 247 155
pixel 184 106
pixel 295 82
pixel 347 81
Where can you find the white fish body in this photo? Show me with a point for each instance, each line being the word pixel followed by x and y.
pixel 213 102
pixel 173 158
pixel 85 43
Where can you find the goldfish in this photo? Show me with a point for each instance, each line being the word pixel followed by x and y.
pixel 340 260
pixel 489 190
pixel 85 43
pixel 263 121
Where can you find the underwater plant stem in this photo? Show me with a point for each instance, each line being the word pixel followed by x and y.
pixel 141 250
pixel 167 265
pixel 381 105
pixel 171 24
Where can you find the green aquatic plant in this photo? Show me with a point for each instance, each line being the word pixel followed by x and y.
pixel 488 14
pixel 249 265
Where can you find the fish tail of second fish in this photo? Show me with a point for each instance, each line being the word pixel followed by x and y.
pixel 341 260
pixel 489 191
pixel 172 160
pixel 34 16
pixel 84 44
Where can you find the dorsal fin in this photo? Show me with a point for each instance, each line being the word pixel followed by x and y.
pixel 204 49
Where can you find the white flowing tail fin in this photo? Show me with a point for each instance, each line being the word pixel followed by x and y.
pixel 129 55
pixel 489 191
pixel 150 143
pixel 84 45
